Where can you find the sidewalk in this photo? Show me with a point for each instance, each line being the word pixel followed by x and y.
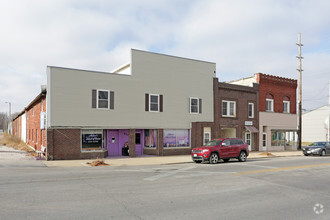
pixel 156 160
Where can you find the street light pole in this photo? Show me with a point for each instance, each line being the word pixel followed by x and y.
pixel 9 116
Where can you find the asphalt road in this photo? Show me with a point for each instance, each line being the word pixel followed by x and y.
pixel 268 188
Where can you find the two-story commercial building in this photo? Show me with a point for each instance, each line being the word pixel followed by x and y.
pixel 277 111
pixel 149 104
pixel 236 114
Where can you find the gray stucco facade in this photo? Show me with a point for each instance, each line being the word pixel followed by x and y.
pixel 77 127
pixel 177 79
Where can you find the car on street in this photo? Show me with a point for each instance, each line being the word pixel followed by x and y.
pixel 321 148
pixel 224 148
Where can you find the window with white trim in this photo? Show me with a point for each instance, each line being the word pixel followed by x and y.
pixel 269 102
pixel 286 104
pixel 269 105
pixel 207 137
pixel 251 110
pixel 228 108
pixel 103 99
pixel 153 103
pixel 194 105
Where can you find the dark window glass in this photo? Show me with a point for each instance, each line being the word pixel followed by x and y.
pixel 154 99
pixel 137 138
pixel 103 95
pixel 224 108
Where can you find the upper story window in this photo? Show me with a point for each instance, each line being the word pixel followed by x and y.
pixel 103 99
pixel 251 110
pixel 228 108
pixel 154 103
pixel 286 105
pixel 269 103
pixel 195 105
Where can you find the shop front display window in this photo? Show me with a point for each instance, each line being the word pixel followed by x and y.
pixel 91 140
pixel 283 138
pixel 150 138
pixel 176 138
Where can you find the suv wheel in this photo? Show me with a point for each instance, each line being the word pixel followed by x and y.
pixel 214 158
pixel 242 156
pixel 323 153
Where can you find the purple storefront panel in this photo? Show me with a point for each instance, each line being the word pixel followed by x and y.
pixel 139 141
pixel 118 138
pixel 113 142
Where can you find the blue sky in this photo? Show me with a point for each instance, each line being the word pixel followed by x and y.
pixel 241 37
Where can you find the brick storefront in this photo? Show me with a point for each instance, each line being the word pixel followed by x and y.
pixel 241 96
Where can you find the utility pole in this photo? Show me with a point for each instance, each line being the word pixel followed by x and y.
pixel 329 115
pixel 300 91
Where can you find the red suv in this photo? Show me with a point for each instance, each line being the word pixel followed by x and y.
pixel 224 149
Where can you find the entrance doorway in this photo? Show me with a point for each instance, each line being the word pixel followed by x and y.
pixel 138 142
pixel 113 143
pixel 248 139
pixel 116 139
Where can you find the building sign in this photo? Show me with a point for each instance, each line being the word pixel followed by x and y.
pixel 248 123
pixel 91 140
pixel 42 120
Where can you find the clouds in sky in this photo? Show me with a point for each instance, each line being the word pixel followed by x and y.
pixel 242 37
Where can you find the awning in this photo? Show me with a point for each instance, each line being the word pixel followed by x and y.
pixel 251 129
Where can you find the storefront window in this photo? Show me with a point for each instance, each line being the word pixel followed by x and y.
pixel 150 138
pixel 91 140
pixel 283 138
pixel 176 138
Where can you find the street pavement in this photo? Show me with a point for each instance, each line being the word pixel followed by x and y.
pixel 292 187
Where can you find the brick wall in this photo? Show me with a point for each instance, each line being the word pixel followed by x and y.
pixel 65 144
pixel 279 87
pixel 35 136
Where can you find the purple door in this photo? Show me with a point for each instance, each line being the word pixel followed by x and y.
pixel 113 143
pixel 138 142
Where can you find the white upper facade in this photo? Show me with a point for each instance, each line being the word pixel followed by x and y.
pixel 175 80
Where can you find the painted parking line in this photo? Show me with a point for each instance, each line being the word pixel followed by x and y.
pixel 280 169
pixel 169 173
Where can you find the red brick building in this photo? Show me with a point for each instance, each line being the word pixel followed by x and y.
pixel 29 125
pixel 277 111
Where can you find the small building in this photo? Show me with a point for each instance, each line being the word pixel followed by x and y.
pixel 315 125
pixel 277 111
pixel 235 115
